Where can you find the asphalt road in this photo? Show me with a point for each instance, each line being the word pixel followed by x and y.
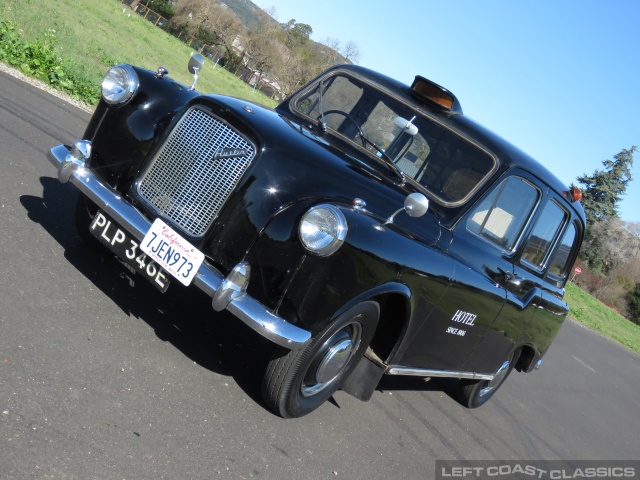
pixel 99 379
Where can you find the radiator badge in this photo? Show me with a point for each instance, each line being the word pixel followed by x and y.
pixel 229 152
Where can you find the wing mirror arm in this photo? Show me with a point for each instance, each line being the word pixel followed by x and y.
pixel 416 205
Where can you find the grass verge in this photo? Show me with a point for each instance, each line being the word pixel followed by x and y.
pixel 85 37
pixel 597 316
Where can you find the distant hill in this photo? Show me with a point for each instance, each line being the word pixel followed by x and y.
pixel 246 10
pixel 249 14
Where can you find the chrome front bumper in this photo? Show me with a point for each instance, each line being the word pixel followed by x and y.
pixel 71 166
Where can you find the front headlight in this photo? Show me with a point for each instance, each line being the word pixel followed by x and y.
pixel 119 85
pixel 323 229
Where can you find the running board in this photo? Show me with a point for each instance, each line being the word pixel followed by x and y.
pixel 425 372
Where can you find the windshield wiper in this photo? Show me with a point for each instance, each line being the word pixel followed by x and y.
pixel 387 160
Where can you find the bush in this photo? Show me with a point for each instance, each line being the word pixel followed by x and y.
pixel 162 8
pixel 633 297
pixel 587 280
pixel 39 59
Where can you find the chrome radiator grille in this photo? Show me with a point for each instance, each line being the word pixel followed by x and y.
pixel 195 171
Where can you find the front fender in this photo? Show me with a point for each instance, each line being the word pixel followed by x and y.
pixel 375 260
pixel 122 136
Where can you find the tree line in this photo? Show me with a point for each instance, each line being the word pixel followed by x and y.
pixel 282 52
pixel 609 255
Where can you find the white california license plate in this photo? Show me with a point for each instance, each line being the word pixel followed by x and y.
pixel 172 252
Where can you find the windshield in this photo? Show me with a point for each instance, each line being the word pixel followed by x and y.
pixel 443 162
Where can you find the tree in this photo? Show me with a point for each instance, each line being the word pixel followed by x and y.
pixel 351 52
pixel 603 190
pixel 162 7
pixel 610 244
pixel 210 21
pixel 601 195
pixel 337 53
pixel 226 28
pixel 262 48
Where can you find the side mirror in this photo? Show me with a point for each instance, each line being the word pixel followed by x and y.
pixel 196 63
pixel 416 205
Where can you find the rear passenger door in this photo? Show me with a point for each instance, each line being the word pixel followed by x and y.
pixel 484 245
pixel 546 260
pixel 534 310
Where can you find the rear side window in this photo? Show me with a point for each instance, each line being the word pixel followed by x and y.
pixel 542 239
pixel 559 263
pixel 503 214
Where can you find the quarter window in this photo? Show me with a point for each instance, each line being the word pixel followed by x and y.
pixel 502 215
pixel 558 265
pixel 541 241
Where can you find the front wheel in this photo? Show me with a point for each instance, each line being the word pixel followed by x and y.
pixel 475 393
pixel 299 381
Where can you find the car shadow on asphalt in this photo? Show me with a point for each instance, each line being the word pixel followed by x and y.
pixel 182 316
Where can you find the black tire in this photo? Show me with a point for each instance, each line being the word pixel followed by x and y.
pixel 475 393
pixel 296 382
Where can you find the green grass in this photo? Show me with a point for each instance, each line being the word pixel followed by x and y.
pixel 91 35
pixel 597 316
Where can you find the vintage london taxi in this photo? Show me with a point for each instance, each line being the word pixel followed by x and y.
pixel 365 227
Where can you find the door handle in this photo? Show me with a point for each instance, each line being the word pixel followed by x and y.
pixel 511 278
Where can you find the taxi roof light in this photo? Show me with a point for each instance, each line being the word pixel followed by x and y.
pixel 429 90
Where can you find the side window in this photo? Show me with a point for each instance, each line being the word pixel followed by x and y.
pixel 502 215
pixel 558 265
pixel 540 242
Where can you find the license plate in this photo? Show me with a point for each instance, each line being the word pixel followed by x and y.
pixel 172 252
pixel 128 250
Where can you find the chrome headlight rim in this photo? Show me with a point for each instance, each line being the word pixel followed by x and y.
pixel 330 234
pixel 119 85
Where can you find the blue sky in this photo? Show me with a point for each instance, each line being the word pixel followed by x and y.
pixel 558 78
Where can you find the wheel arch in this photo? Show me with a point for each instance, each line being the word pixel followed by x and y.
pixel 395 310
pixel 528 358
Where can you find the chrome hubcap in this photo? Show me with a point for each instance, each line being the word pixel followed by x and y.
pixel 331 359
pixel 497 380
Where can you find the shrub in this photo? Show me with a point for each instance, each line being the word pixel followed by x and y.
pixel 633 297
pixel 162 8
pixel 39 59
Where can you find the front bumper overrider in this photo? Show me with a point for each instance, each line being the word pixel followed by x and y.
pixel 72 167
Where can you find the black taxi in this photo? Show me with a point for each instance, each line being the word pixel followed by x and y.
pixel 365 227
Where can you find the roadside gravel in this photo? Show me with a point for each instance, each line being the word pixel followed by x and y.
pixel 43 86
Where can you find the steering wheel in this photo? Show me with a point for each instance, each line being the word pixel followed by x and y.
pixel 351 119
